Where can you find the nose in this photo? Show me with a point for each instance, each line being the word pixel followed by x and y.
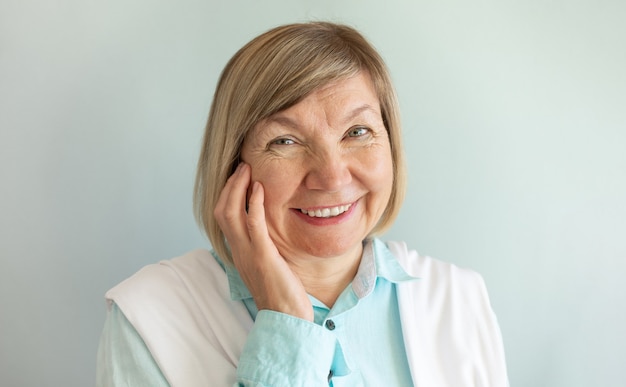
pixel 328 172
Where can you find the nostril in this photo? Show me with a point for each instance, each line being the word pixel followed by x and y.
pixel 329 176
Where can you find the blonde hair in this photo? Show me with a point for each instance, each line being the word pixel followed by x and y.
pixel 271 73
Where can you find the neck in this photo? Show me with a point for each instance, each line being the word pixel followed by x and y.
pixel 326 278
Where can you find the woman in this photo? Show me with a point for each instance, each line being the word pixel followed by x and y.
pixel 301 166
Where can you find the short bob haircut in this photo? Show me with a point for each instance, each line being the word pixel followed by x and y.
pixel 271 73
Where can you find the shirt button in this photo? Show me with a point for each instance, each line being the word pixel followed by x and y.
pixel 330 324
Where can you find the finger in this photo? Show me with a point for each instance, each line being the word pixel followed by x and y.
pixel 225 194
pixel 230 210
pixel 257 225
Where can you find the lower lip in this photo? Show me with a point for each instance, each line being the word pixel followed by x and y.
pixel 332 220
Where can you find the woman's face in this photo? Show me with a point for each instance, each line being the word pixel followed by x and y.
pixel 326 168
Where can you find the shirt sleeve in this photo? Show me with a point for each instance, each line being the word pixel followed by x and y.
pixel 282 350
pixel 123 358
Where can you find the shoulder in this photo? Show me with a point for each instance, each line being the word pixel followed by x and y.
pixel 177 278
pixel 441 286
pixel 447 321
pixel 431 269
pixel 182 310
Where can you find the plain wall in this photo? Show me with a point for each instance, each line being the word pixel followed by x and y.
pixel 515 124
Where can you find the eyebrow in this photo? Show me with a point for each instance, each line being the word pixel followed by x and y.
pixel 286 121
pixel 359 110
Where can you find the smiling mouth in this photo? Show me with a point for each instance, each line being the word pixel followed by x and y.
pixel 326 212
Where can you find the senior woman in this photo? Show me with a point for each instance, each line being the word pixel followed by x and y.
pixel 301 166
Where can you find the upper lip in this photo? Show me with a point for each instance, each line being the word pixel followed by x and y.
pixel 324 207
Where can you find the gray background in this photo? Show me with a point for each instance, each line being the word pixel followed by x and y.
pixel 514 118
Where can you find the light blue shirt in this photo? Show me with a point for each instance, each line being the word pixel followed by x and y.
pixel 356 342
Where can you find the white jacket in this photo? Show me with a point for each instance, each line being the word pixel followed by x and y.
pixel 195 332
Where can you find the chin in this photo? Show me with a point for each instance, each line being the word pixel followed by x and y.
pixel 331 246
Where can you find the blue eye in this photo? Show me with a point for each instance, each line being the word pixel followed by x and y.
pixel 283 141
pixel 357 132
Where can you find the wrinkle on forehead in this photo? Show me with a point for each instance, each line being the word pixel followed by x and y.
pixel 333 103
pixel 286 121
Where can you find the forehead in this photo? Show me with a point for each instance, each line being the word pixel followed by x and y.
pixel 359 85
pixel 341 100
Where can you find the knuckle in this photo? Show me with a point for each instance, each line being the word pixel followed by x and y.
pixel 229 216
pixel 224 215
pixel 254 222
pixel 218 213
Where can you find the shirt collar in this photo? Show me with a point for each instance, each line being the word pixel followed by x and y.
pixel 377 261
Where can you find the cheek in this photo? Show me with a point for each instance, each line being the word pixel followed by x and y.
pixel 378 170
pixel 279 181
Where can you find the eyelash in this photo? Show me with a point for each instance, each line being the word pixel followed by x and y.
pixel 361 129
pixel 355 132
pixel 282 141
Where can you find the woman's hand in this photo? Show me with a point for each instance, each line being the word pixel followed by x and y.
pixel 265 272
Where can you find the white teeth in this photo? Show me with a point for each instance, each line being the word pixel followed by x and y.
pixel 326 212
